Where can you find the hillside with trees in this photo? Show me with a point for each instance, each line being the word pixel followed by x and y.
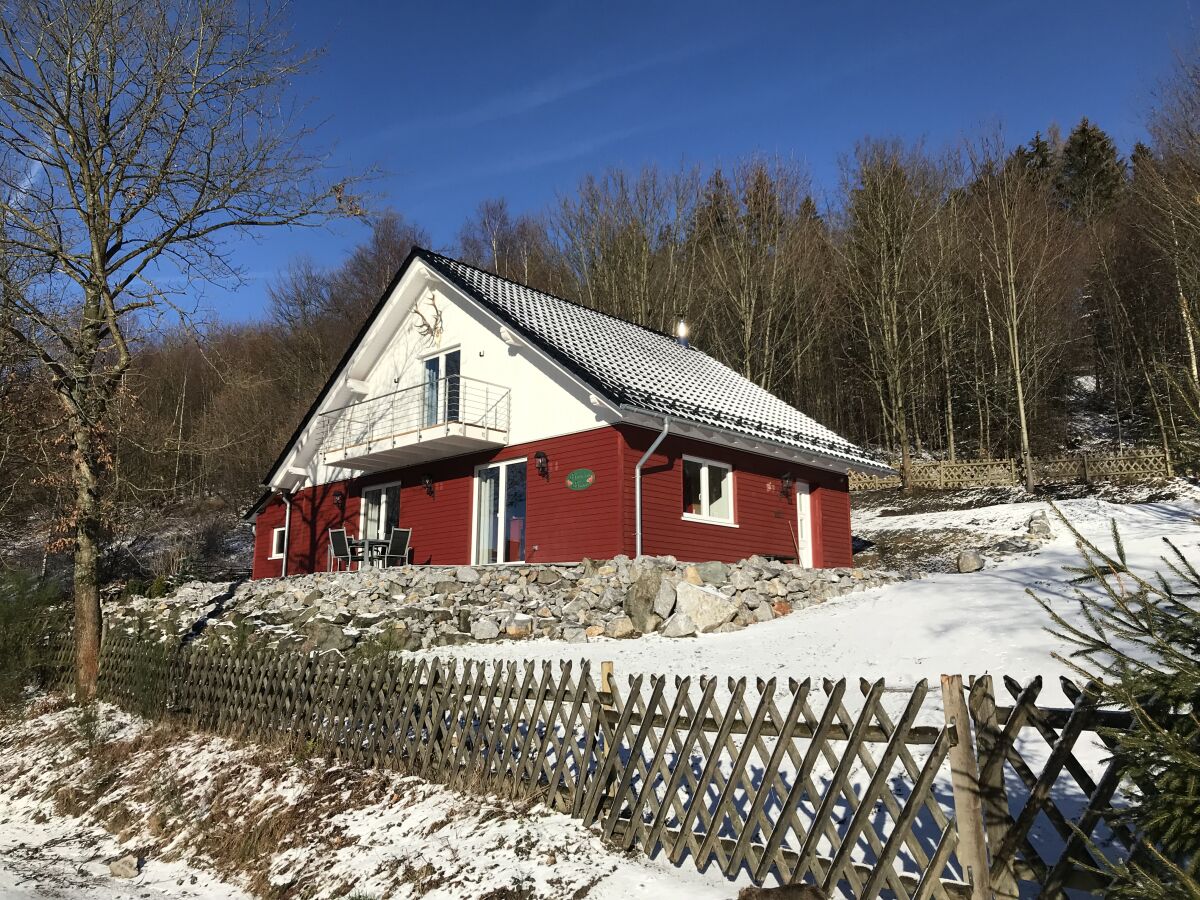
pixel 960 302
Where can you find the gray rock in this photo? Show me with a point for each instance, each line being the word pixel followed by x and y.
pixel 713 572
pixel 620 627
pixel 125 867
pixel 679 625
pixel 639 599
pixel 664 600
pixel 970 561
pixel 763 613
pixel 705 607
pixel 324 636
pixel 728 627
pixel 1039 525
pixel 466 574
pixel 485 630
pixel 519 626
pixel 575 635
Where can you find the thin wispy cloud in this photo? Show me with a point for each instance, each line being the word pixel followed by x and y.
pixel 549 91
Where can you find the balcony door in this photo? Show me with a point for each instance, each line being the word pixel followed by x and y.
pixel 441 388
pixel 500 513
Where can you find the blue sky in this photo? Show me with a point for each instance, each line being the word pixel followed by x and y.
pixel 458 102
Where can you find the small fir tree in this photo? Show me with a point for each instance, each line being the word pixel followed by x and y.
pixel 1140 639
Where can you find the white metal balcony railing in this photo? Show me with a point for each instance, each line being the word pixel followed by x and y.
pixel 454 406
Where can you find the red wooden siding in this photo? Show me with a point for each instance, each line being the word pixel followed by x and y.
pixel 561 524
pixel 833 545
pixel 766 520
pixel 564 525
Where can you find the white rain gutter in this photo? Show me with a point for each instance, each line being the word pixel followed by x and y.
pixel 287 532
pixel 637 482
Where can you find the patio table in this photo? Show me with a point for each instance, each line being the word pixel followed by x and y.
pixel 373 549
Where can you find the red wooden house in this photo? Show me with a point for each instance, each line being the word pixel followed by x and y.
pixel 502 424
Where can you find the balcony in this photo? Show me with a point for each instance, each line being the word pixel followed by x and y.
pixel 447 417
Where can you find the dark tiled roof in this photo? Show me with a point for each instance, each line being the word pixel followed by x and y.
pixel 643 369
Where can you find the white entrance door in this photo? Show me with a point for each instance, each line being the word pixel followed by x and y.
pixel 804 531
pixel 500 513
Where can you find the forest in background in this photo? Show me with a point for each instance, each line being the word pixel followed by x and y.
pixel 952 302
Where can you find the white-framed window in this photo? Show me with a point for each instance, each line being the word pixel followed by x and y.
pixel 278 542
pixel 707 490
pixel 379 511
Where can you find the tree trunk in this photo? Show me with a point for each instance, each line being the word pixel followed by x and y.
pixel 87 554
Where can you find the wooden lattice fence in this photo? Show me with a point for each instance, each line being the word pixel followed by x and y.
pixel 786 783
pixel 968 473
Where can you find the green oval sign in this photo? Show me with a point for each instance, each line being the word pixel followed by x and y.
pixel 581 479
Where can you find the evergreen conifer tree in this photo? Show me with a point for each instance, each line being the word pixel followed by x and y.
pixel 1090 172
pixel 1141 641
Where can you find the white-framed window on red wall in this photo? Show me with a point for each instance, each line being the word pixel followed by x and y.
pixel 278 542
pixel 708 491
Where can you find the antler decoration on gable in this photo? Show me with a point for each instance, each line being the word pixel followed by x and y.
pixel 429 326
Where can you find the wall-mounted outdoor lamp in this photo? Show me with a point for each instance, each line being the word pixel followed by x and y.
pixel 339 500
pixel 785 485
pixel 542 462
pixel 427 481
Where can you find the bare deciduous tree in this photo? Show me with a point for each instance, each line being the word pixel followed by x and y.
pixel 136 137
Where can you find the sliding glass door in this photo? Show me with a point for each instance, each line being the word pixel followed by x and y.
pixel 500 512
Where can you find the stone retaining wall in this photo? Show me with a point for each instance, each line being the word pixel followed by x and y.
pixel 418 607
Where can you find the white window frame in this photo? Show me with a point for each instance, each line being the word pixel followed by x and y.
pixel 730 522
pixel 277 545
pixel 502 465
pixel 362 507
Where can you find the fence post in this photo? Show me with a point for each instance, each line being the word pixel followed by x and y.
pixel 964 775
pixel 1086 476
pixel 1012 471
pixel 607 708
pixel 994 795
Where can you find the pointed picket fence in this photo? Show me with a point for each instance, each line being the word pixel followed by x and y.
pixel 824 784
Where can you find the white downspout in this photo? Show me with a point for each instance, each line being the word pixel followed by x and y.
pixel 287 532
pixel 637 483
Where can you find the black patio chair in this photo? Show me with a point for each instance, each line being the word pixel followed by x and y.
pixel 343 551
pixel 397 546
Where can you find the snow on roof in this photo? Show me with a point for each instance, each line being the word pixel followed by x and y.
pixel 641 369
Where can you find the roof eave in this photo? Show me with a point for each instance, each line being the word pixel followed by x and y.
pixel 803 455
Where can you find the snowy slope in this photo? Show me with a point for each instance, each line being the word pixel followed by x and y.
pixel 984 622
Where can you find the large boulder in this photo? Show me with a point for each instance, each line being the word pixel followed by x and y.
pixel 639 599
pixel 970 561
pixel 706 607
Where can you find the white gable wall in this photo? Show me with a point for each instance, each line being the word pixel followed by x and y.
pixel 544 401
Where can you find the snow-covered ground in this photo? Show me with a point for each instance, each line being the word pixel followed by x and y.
pixel 454 846
pixel 192 804
pixel 977 623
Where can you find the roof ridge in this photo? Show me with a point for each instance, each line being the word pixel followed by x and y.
pixel 425 251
